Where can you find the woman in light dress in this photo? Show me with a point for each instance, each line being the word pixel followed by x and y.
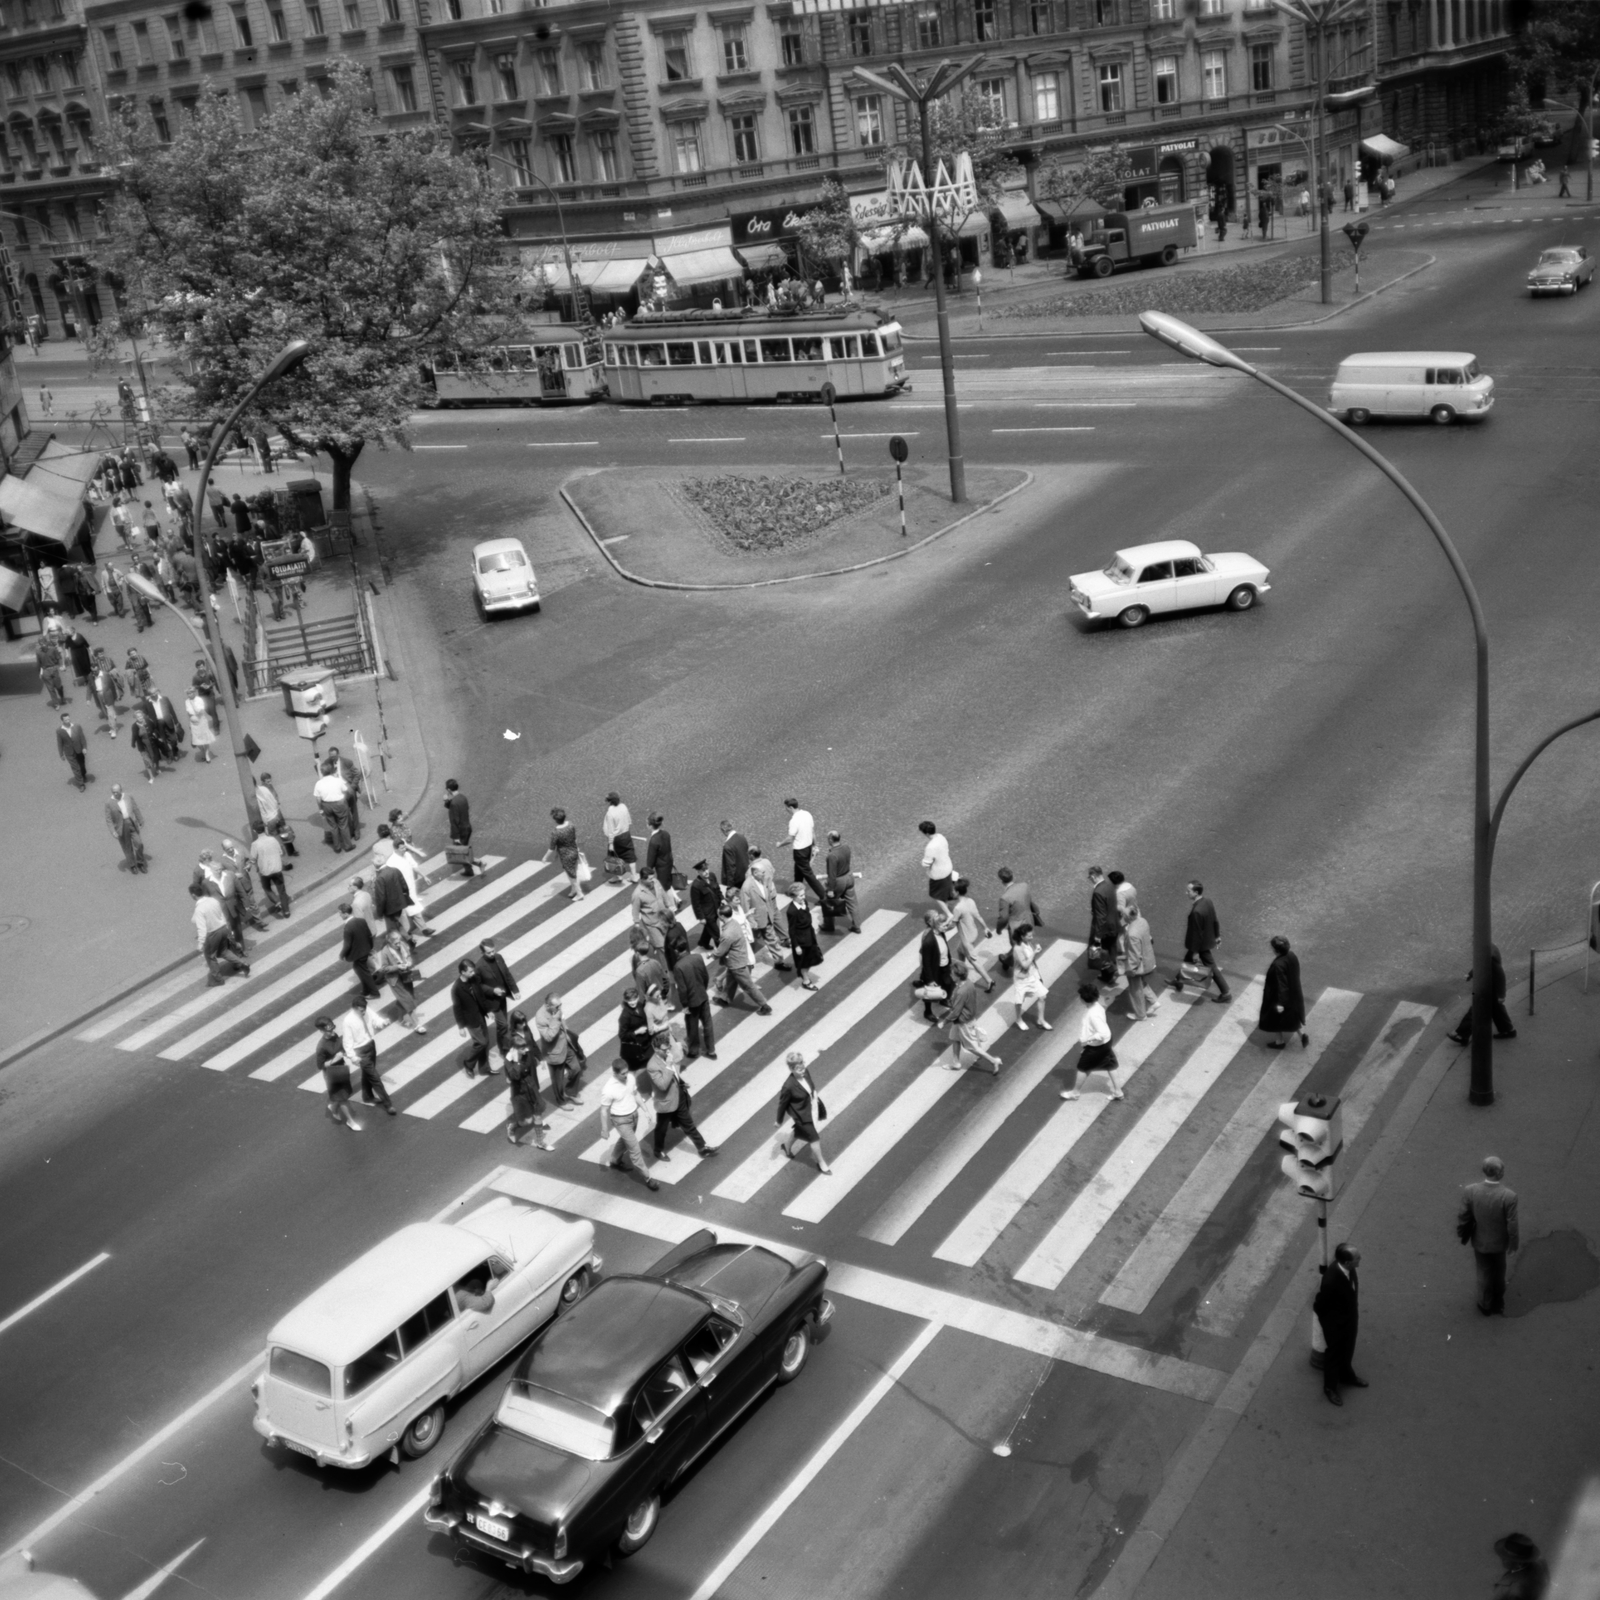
pixel 564 846
pixel 1032 990
pixel 1095 1054
pixel 202 730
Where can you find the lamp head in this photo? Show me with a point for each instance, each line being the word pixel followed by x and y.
pixel 286 360
pixel 1190 342
pixel 136 580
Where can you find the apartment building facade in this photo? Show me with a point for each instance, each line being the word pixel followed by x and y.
pixel 1442 71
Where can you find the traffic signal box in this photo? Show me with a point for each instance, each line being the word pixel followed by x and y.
pixel 1313 1136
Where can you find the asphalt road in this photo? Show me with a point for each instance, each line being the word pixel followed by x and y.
pixel 1310 760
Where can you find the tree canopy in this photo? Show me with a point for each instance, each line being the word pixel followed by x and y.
pixel 1558 53
pixel 1096 179
pixel 828 231
pixel 379 247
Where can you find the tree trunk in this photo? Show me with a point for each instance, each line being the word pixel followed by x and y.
pixel 343 460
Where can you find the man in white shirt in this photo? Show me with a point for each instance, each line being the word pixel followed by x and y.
pixel 617 826
pixel 361 1050
pixel 214 940
pixel 365 907
pixel 937 864
pixel 619 1114
pixel 802 840
pixel 267 854
pixel 332 795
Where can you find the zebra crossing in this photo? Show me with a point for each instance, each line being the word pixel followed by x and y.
pixel 1088 1205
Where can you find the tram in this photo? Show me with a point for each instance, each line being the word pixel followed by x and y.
pixel 547 365
pixel 675 357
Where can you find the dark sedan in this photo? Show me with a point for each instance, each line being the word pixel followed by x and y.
pixel 619 1398
pixel 1564 270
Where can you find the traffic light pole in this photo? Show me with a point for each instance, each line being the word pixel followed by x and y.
pixel 947 363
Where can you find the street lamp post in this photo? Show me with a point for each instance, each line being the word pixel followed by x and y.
pixel 286 360
pixel 921 92
pixel 1191 342
pixel 524 176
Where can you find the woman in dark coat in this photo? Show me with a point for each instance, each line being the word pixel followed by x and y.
pixel 633 1030
pixel 802 936
pixel 935 957
pixel 801 1105
pixel 1283 1006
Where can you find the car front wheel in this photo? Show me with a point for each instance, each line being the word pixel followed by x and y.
pixel 796 1349
pixel 1102 266
pixel 1242 598
pixel 640 1525
pixel 1443 415
pixel 424 1432
pixel 575 1288
pixel 1134 617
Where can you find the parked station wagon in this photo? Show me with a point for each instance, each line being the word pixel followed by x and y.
pixel 1172 575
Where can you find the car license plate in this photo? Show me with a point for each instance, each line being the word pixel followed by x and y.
pixel 495 1530
pixel 303 1449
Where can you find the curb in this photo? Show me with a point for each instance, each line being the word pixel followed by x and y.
pixel 798 577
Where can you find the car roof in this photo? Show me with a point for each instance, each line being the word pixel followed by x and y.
pixel 1560 250
pixel 490 546
pixel 1136 555
pixel 601 1349
pixel 371 1297
pixel 1407 358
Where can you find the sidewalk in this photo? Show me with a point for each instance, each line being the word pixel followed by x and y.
pixel 1474 1427
pixel 76 928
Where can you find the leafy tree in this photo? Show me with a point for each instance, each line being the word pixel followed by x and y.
pixel 1095 179
pixel 380 248
pixel 828 231
pixel 1558 52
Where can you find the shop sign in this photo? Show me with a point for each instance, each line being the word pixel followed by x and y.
pixel 1142 158
pixel 766 227
pixel 555 255
pixel 1178 147
pixel 873 210
pixel 680 244
pixel 1256 138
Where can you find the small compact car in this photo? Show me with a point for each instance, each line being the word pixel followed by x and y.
pixel 502 576
pixel 1514 148
pixel 1170 576
pixel 363 1367
pixel 1563 270
pixel 618 1399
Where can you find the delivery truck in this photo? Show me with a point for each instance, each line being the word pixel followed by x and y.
pixel 1144 238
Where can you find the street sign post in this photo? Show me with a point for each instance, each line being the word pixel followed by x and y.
pixel 977 284
pixel 900 450
pixel 1355 232
pixel 830 395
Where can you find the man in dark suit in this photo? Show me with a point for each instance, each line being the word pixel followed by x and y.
pixel 694 995
pixel 497 989
pixel 1504 1028
pixel 1017 909
pixel 705 900
pixel 1337 1306
pixel 1488 1222
pixel 841 881
pixel 467 1004
pixel 658 854
pixel 459 813
pixel 357 949
pixel 1103 925
pixel 735 857
pixel 73 748
pixel 126 823
pixel 1201 935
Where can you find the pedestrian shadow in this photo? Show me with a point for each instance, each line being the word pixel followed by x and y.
pixel 204 826
pixel 1558 1266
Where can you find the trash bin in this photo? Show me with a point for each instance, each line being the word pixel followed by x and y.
pixel 309 691
pixel 306 493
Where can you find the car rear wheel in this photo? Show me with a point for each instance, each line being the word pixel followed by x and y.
pixel 1242 598
pixel 1443 415
pixel 575 1288
pixel 640 1525
pixel 424 1432
pixel 1102 266
pixel 1169 254
pixel 1357 415
pixel 1134 617
pixel 796 1348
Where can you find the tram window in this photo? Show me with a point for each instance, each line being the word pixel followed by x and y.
pixel 750 355
pixel 652 355
pixel 774 349
pixel 680 355
pixel 611 356
pixel 521 357
pixel 572 355
pixel 446 363
pixel 497 359
pixel 734 352
pixel 852 347
pixel 808 349
pixel 545 355
pixel 706 357
pixel 890 338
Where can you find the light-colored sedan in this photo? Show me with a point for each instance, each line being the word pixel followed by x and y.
pixel 1564 270
pixel 1174 575
pixel 503 577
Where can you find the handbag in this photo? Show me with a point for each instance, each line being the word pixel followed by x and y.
pixel 679 882
pixel 585 871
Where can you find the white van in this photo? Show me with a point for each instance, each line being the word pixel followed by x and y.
pixel 1441 384
pixel 363 1367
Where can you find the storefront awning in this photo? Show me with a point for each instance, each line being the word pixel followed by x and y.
pixel 703 266
pixel 759 256
pixel 1383 147
pixel 36 510
pixel 1019 212
pixel 877 241
pixel 616 277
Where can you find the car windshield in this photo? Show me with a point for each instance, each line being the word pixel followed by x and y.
pixel 1470 371
pixel 562 1424
pixel 502 561
pixel 1558 258
pixel 289 1366
pixel 1119 571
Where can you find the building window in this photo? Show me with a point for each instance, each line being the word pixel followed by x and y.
pixel 792 42
pixel 14 76
pixel 72 62
pixel 930 35
pixel 686 146
pixel 315 27
pixel 802 131
pixel 353 21
pixel 1111 86
pixel 505 71
pixel 113 57
pixel 496 7
pixel 992 102
pixel 279 24
pixel 1162 10
pixel 1047 97
pixel 1213 8
pixel 290 87
pixel 519 156
pixel 605 154
pixel 1261 68
pixel 69 215
pixel 566 162
pixel 158 115
pixel 241 29
pixel 41 71
pixel 208 34
pixel 984 22
pixel 392 11
pixel 453 9
pixel 1041 17
pixel 677 64
pixel 1107 13
pixel 549 64
pixel 1214 74
pixel 405 88
pixel 735 48
pixel 175 45
pixel 466 82
pixel 592 58
pixel 1165 71
pixel 746 145
pixel 143 54
pixel 255 101
pixel 869 119
pixel 860 25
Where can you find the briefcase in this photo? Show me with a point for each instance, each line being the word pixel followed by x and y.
pixel 459 855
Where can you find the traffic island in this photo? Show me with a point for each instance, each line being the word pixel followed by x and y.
pixel 700 528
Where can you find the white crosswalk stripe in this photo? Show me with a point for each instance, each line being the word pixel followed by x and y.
pixel 966 1172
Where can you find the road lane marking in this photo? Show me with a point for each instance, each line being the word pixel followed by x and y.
pixel 441 447
pixel 1080 1224
pixel 1083 427
pixel 732 438
pixel 1183 1216
pixel 159 1577
pixel 910 433
pixel 802 1480
pixel 370 1546
pixel 1084 405
pixel 562 444
pixel 1257 349
pixel 54 1289
pixel 1088 352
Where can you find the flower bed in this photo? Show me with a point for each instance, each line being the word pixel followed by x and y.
pixel 767 514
